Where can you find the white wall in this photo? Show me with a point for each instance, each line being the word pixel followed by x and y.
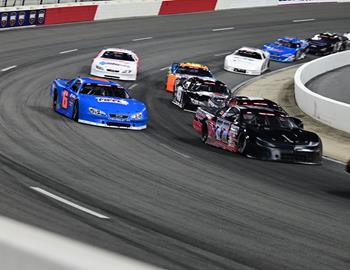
pixel 228 4
pixel 127 8
pixel 328 111
pixel 25 247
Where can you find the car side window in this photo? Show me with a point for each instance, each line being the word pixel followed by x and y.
pixel 75 87
pixel 232 115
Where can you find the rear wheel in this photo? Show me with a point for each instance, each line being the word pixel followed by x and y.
pixel 204 136
pixel 75 114
pixel 54 101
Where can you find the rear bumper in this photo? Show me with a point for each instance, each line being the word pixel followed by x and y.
pixel 113 75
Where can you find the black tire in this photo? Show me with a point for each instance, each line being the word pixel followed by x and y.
pixel 75 114
pixel 54 101
pixel 204 136
pixel 242 144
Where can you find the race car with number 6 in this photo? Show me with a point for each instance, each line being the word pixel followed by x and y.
pixel 98 102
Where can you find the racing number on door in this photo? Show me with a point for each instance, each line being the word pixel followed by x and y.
pixel 64 103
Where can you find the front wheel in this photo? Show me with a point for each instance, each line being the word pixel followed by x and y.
pixel 75 114
pixel 242 144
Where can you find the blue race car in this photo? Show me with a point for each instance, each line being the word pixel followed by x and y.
pixel 287 49
pixel 98 102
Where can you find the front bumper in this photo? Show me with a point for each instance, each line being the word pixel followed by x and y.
pixel 113 122
pixel 290 155
pixel 241 70
pixel 113 75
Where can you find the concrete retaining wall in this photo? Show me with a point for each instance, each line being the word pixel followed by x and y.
pixel 326 110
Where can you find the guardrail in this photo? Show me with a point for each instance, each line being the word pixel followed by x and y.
pixel 328 111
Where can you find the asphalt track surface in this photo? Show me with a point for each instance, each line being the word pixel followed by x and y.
pixel 171 200
pixel 334 84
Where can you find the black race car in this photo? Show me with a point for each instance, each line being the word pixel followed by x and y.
pixel 193 92
pixel 326 43
pixel 217 102
pixel 257 132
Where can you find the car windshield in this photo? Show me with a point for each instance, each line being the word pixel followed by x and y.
pixel 214 87
pixel 118 56
pixel 200 72
pixel 287 44
pixel 267 120
pixel 248 54
pixel 104 90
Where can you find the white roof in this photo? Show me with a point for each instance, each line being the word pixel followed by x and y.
pixel 119 50
pixel 250 49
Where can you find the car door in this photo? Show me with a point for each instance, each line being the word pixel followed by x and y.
pixel 231 126
pixel 223 124
pixel 69 96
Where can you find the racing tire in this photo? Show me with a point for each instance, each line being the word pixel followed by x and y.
pixel 297 55
pixel 75 114
pixel 242 144
pixel 204 135
pixel 54 101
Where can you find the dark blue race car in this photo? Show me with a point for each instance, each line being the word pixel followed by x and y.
pixel 287 49
pixel 98 102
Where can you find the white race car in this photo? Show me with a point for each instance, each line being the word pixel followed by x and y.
pixel 116 64
pixel 248 61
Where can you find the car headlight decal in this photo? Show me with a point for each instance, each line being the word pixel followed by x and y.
pixel 96 111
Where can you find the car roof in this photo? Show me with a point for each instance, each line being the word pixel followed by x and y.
pixel 98 81
pixel 118 50
pixel 258 109
pixel 290 39
pixel 193 65
pixel 251 49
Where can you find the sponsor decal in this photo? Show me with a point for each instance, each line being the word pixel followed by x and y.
pixel 13 18
pixel 32 17
pixel 22 18
pixel 102 63
pixel 41 16
pixel 4 17
pixel 113 100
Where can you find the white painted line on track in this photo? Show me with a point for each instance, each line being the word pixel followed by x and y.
pixel 8 68
pixel 221 54
pixel 140 39
pixel 334 160
pixel 164 68
pixel 173 150
pixel 69 51
pixel 222 29
pixel 62 200
pixel 190 111
pixel 133 86
pixel 304 20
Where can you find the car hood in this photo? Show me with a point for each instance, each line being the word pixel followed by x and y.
pixel 113 105
pixel 207 94
pixel 185 76
pixel 277 49
pixel 319 43
pixel 243 62
pixel 286 136
pixel 115 63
